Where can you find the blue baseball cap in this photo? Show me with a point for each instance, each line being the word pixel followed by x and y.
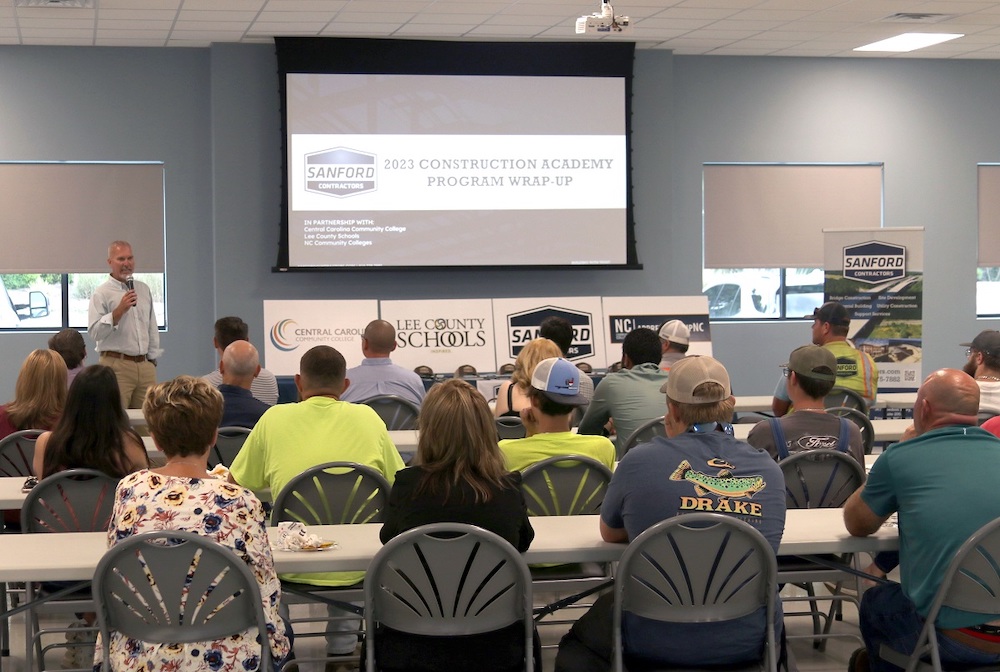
pixel 559 380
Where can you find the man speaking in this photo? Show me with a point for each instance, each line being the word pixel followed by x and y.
pixel 123 326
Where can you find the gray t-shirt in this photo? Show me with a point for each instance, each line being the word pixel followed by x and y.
pixel 806 430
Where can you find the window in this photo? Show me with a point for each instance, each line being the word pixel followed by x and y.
pixel 762 293
pixel 763 232
pixel 51 301
pixel 988 270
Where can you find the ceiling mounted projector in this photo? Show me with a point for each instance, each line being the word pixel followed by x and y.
pixel 604 21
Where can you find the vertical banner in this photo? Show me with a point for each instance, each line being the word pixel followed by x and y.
pixel 878 275
pixel 442 334
pixel 517 321
pixel 293 327
pixel 622 314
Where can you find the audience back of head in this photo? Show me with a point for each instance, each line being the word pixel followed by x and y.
pixel 40 391
pixel 531 355
pixel 642 346
pixel 229 329
pixel 183 415
pixel 559 331
pixel 458 440
pixel 91 432
pixel 322 370
pixel 70 346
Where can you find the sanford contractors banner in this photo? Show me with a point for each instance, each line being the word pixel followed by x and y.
pixel 517 322
pixel 442 334
pixel 622 314
pixel 292 327
pixel 878 275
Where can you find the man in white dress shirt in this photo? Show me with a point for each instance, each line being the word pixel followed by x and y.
pixel 123 325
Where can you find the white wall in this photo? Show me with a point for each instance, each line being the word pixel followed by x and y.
pixel 213 116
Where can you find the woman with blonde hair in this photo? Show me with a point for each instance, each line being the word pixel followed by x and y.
pixel 458 477
pixel 39 394
pixel 513 394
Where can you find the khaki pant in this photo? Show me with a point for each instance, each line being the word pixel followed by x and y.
pixel 134 378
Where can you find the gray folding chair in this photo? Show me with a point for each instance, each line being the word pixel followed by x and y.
pixel 335 493
pixel 395 411
pixel 511 427
pixel 227 446
pixel 176 587
pixel 444 580
pixel 818 479
pixel 644 433
pixel 860 419
pixel 17 453
pixel 971 583
pixel 566 485
pixel 75 500
pixel 841 396
pixel 697 568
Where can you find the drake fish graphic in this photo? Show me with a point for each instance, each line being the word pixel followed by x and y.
pixel 723 484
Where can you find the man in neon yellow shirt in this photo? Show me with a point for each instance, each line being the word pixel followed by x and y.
pixel 856 370
pixel 290 438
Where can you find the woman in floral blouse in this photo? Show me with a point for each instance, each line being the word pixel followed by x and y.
pixel 182 415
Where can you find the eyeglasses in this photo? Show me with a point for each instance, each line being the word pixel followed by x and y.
pixel 968 352
pixel 785 371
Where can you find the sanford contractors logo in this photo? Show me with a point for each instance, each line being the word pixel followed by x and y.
pixel 340 172
pixel 286 335
pixel 523 327
pixel 874 262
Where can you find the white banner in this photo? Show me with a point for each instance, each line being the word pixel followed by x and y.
pixel 442 334
pixel 517 321
pixel 293 327
pixel 622 314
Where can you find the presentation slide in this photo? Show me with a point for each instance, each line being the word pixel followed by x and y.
pixel 456 170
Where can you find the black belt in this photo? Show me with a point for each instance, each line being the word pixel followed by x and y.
pixel 120 355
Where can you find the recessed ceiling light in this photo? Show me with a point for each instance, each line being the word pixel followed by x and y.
pixel 909 41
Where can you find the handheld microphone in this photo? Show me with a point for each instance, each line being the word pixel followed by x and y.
pixel 130 283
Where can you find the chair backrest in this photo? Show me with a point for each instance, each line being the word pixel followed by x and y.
pixel 697 568
pixel 841 396
pixel 395 411
pixel 644 433
pixel 506 369
pixel 177 587
pixel 565 485
pixel 17 453
pixel 335 493
pixel 448 579
pixel 511 427
pixel 75 500
pixel 424 371
pixel 860 419
pixel 820 478
pixel 971 583
pixel 227 446
pixel 466 371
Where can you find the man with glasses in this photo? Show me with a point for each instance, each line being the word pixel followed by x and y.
pixel 984 365
pixel 856 370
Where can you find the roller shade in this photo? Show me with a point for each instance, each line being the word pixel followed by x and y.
pixel 60 217
pixel 773 215
pixel 989 215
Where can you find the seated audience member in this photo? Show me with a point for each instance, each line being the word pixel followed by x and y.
pixel 460 477
pixel 239 367
pixel 629 397
pixel 291 438
pixel 856 370
pixel 512 395
pixel 675 338
pixel 227 330
pixel 94 432
pixel 182 415
pixel 553 395
pixel 377 375
pixel 39 394
pixel 811 372
pixel 560 331
pixel 941 481
pixel 984 366
pixel 652 483
pixel 70 346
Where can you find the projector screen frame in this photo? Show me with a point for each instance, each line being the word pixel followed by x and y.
pixel 429 57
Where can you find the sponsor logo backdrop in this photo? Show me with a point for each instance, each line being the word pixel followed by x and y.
pixel 622 314
pixel 292 327
pixel 442 334
pixel 517 322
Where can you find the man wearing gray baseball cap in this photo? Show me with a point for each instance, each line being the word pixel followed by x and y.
pixel 662 479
